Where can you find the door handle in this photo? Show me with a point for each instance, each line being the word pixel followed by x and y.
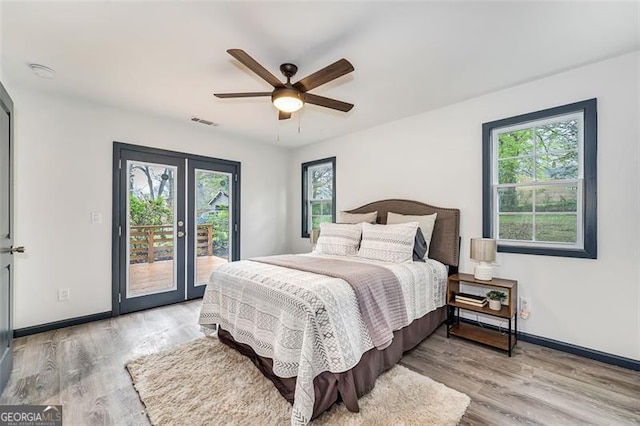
pixel 180 234
pixel 19 249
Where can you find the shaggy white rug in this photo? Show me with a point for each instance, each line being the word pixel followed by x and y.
pixel 204 382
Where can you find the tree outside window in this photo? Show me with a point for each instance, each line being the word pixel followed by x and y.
pixel 539 181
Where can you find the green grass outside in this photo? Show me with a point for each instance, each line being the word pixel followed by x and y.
pixel 317 220
pixel 549 227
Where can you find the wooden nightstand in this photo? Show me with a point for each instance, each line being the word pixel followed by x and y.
pixel 476 333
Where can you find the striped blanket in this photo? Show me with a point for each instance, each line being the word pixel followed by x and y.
pixel 377 290
pixel 308 323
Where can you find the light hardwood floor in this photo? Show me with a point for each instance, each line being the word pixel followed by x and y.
pixel 82 367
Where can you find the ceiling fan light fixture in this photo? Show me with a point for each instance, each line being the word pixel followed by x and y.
pixel 287 100
pixel 288 97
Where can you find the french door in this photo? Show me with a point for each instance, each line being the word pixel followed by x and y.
pixel 211 187
pixel 175 220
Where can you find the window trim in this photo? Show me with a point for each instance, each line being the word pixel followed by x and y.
pixel 589 175
pixel 305 198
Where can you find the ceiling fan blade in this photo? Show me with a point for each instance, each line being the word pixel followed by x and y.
pixel 327 102
pixel 284 115
pixel 254 66
pixel 241 95
pixel 325 75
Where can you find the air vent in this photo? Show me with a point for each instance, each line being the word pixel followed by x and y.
pixel 203 121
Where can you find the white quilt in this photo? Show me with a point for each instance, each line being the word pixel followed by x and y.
pixel 307 323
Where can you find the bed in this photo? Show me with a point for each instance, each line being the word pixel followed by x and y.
pixel 296 326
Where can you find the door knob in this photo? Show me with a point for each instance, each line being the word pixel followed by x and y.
pixel 180 234
pixel 19 249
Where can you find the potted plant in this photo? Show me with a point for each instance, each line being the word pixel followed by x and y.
pixel 495 299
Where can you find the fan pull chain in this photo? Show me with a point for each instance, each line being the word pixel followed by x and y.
pixel 299 123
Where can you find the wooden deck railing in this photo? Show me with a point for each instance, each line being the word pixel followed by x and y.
pixel 150 243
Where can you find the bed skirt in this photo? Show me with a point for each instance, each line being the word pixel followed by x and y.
pixel 352 384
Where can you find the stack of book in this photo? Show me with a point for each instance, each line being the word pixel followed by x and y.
pixel 471 299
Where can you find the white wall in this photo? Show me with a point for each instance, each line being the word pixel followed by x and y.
pixel 63 169
pixel 435 157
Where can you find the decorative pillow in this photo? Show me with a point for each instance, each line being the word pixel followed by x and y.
pixel 344 217
pixel 339 239
pixel 420 246
pixel 426 222
pixel 389 243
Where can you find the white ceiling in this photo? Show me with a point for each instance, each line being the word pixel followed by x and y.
pixel 168 58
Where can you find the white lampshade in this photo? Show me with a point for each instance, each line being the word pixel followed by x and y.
pixel 484 251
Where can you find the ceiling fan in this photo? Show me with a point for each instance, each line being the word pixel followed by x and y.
pixel 289 97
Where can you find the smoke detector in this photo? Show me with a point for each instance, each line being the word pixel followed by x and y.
pixel 42 71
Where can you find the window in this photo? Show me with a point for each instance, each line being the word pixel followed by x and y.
pixel 318 194
pixel 539 181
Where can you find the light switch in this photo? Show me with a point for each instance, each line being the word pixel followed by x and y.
pixel 96 217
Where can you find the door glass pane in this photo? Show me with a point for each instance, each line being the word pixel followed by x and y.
pixel 151 204
pixel 213 224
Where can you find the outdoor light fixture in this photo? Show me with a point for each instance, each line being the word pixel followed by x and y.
pixel 287 100
pixel 484 251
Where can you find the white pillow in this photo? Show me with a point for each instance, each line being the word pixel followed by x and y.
pixel 426 222
pixel 344 217
pixel 389 243
pixel 339 239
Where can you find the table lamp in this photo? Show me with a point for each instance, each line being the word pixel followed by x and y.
pixel 484 251
pixel 314 234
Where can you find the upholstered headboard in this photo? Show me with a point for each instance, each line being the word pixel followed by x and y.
pixel 445 240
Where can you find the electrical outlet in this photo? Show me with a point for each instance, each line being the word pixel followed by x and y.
pixel 63 294
pixel 525 307
pixel 96 217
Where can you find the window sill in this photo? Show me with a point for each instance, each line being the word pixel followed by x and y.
pixel 548 251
